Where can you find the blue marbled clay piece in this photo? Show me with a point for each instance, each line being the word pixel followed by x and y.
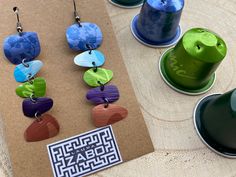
pixel 79 37
pixel 23 73
pixel 90 59
pixel 24 46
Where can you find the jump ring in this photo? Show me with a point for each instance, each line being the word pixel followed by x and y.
pixel 30 78
pixel 107 102
pixel 37 115
pixel 102 86
pixel 95 68
pixel 32 98
pixel 25 64
pixel 90 48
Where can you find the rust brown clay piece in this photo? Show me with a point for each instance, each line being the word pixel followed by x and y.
pixel 46 127
pixel 103 116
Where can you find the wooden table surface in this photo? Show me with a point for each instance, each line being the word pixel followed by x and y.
pixel 168 114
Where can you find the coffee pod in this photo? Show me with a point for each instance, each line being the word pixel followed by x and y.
pixel 190 66
pixel 157 25
pixel 127 4
pixel 215 122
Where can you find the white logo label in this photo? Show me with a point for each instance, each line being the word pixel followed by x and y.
pixel 84 154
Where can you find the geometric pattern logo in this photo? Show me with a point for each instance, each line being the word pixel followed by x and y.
pixel 85 153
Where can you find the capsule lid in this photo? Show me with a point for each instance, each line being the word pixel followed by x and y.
pixel 204 45
pixel 166 5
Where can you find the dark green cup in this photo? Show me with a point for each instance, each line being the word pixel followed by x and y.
pixel 215 122
pixel 190 66
pixel 127 3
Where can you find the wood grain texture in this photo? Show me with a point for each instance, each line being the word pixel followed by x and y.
pixel 168 114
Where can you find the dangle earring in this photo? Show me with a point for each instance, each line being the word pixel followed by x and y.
pixel 21 49
pixel 86 37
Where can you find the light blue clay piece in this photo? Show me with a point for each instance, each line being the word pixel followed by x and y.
pixel 90 59
pixel 79 37
pixel 23 73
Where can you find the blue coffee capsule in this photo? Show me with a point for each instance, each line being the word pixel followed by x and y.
pixel 84 36
pixel 92 58
pixel 21 46
pixel 157 25
pixel 26 71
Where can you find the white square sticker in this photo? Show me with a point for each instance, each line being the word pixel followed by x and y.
pixel 85 153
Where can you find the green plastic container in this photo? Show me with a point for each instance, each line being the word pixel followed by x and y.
pixel 215 122
pixel 190 66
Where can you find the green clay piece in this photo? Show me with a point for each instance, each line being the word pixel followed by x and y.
pixel 37 88
pixel 95 78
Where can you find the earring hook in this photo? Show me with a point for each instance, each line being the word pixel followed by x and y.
pixel 18 25
pixel 76 15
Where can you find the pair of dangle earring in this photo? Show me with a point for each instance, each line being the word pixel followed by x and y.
pixel 86 37
pixel 22 49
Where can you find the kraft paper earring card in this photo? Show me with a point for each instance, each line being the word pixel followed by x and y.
pixel 128 138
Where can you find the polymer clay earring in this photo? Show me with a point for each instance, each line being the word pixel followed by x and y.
pixel 86 37
pixel 22 49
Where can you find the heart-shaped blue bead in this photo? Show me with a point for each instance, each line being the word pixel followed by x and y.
pixel 21 46
pixel 80 37
pixel 23 73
